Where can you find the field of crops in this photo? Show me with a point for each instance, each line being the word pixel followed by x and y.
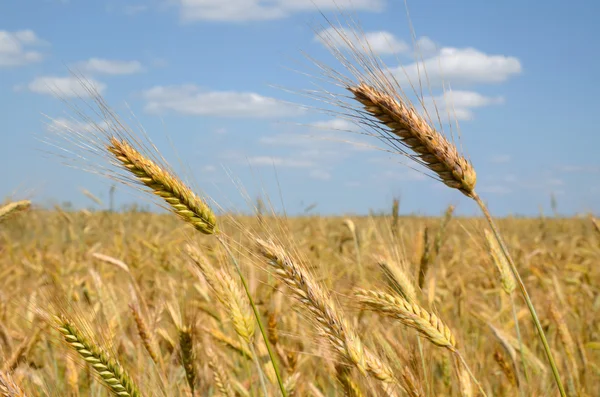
pixel 162 307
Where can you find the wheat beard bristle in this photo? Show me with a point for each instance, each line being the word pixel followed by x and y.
pixel 414 132
pixel 180 198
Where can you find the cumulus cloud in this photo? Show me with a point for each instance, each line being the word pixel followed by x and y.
pixel 248 10
pixel 106 66
pixel 460 66
pixel 65 86
pixel 379 42
pixel 455 104
pixel 15 48
pixel 191 100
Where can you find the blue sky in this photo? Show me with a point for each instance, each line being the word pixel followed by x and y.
pixel 200 75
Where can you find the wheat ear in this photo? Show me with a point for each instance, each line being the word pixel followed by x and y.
pixel 221 379
pixel 328 318
pixel 8 387
pixel 188 356
pixel 181 199
pixel 144 333
pixel 413 131
pixel 112 374
pixel 410 314
pixel 13 208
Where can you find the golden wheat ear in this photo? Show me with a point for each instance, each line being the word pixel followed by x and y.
pixel 414 132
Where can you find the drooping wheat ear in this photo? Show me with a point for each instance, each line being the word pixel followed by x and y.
pixel 8 387
pixel 397 279
pixel 416 133
pixel 324 312
pixel 221 379
pixel 344 377
pixel 188 356
pixel 144 333
pixel 180 198
pixel 507 279
pixel 112 374
pixel 412 315
pixel 13 208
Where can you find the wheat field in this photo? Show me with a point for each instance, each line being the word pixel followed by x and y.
pixel 154 281
pixel 201 301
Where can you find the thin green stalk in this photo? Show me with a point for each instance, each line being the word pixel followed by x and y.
pixel 521 285
pixel 257 315
pixel 261 376
pixel 464 362
pixel 518 331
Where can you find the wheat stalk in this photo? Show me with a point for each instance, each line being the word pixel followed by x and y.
pixel 112 374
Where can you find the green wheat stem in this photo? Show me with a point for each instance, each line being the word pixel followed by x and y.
pixel 257 315
pixel 521 285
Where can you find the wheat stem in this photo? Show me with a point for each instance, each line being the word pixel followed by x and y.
pixel 524 292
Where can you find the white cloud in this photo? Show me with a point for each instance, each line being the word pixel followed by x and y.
pixel 106 66
pixel 379 42
pixel 279 162
pixel 13 51
pixel 66 86
pixel 425 48
pixel 459 66
pixel 191 100
pixel 246 10
pixel 459 104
